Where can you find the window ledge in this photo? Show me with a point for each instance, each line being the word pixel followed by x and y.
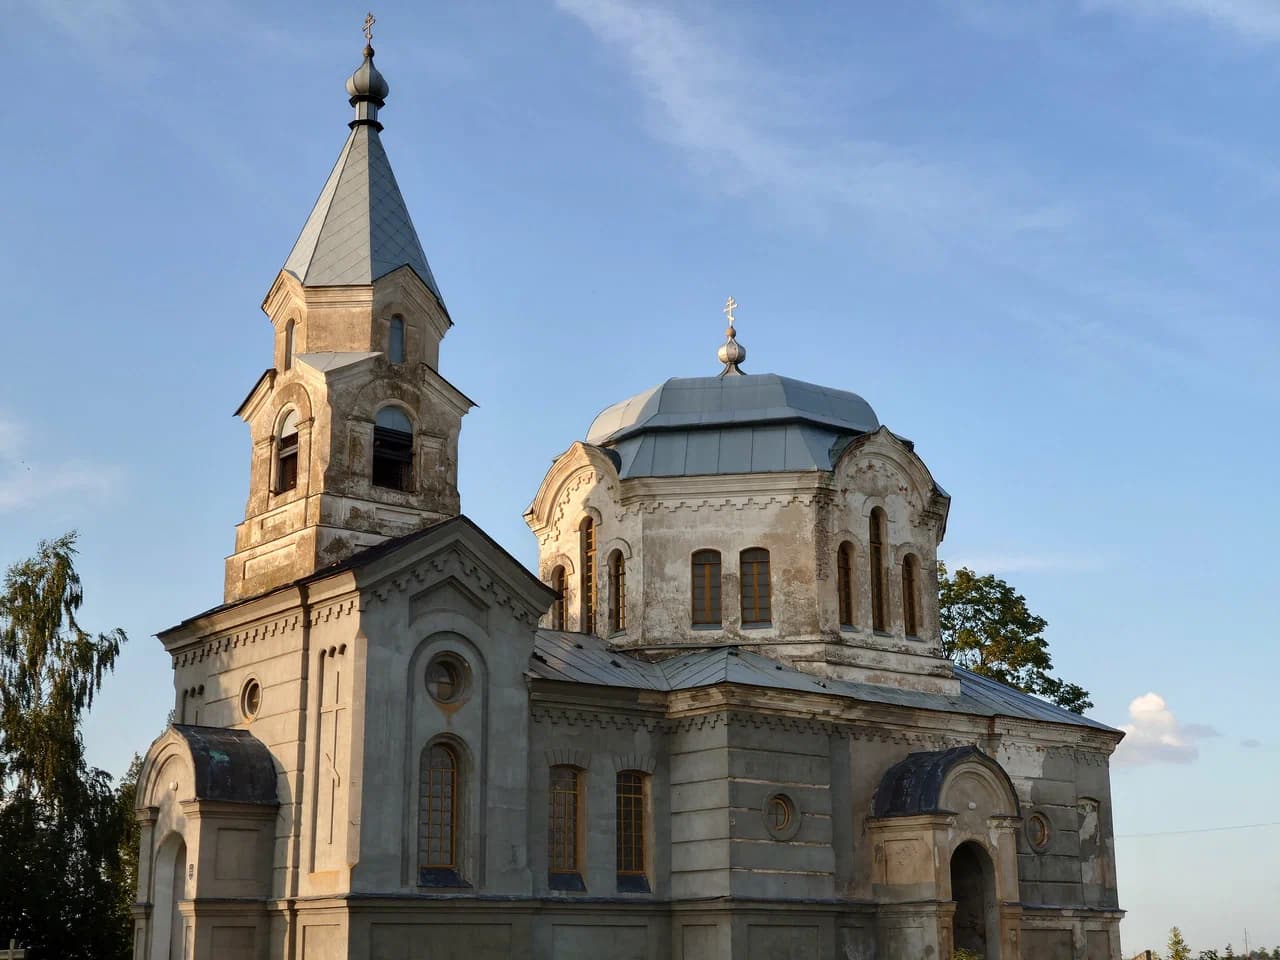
pixel 566 881
pixel 441 877
pixel 633 883
pixel 707 626
pixel 762 625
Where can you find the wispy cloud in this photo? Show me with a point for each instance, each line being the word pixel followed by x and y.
pixel 1251 743
pixel 750 131
pixel 1154 735
pixel 26 480
pixel 1257 20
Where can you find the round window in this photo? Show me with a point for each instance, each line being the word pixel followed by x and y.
pixel 1038 831
pixel 781 819
pixel 251 699
pixel 446 678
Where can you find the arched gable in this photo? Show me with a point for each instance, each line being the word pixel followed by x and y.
pixel 230 766
pixel 885 451
pixel 581 463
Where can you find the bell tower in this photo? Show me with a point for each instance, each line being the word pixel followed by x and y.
pixel 354 430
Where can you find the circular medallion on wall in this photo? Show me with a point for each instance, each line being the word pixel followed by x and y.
pixel 1038 832
pixel 781 818
pixel 448 679
pixel 250 698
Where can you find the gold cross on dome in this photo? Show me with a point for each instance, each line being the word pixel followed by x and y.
pixel 369 21
pixel 730 305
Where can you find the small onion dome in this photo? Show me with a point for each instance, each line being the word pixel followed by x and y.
pixel 367 82
pixel 732 351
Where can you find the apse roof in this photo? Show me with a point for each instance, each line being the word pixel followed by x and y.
pixel 230 765
pixel 579 658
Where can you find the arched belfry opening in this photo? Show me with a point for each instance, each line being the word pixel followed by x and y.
pixel 975 923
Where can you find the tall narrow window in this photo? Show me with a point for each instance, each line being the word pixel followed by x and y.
pixel 287 453
pixel 876 556
pixel 395 340
pixel 844 582
pixel 438 816
pixel 564 836
pixel 754 564
pixel 392 450
pixel 558 605
pixel 617 592
pixel 910 596
pixel 288 345
pixel 706 588
pixel 630 832
pixel 587 583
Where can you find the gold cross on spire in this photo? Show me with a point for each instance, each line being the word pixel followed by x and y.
pixel 730 305
pixel 369 21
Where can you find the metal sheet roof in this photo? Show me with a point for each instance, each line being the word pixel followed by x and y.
pixel 701 402
pixel 578 658
pixel 704 426
pixel 359 229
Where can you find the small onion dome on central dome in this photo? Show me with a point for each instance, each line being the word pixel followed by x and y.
pixel 367 81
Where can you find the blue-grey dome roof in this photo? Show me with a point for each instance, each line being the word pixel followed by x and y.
pixel 754 423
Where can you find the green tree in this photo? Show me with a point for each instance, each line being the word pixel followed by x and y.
pixel 987 628
pixel 1208 955
pixel 1178 949
pixel 62 824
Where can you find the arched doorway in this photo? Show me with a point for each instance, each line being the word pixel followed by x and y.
pixel 974 927
pixel 170 885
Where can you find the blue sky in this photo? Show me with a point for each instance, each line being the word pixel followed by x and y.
pixel 1037 236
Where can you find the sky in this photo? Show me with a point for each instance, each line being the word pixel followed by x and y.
pixel 1037 236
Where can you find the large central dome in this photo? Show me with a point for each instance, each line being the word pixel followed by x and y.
pixel 751 423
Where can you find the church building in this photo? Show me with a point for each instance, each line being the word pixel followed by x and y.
pixel 716 722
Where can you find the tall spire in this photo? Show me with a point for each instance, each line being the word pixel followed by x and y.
pixel 360 229
pixel 731 352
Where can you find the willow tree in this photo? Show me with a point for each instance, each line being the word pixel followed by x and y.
pixel 62 824
pixel 987 628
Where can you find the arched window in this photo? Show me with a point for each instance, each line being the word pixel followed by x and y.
pixel 706 588
pixel 876 555
pixel 910 595
pixel 754 566
pixel 438 807
pixel 392 449
pixel 632 802
pixel 288 345
pixel 617 592
pixel 587 573
pixel 844 582
pixel 287 453
pixel 395 340
pixel 558 605
pixel 564 834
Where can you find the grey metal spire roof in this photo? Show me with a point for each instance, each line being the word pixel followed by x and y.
pixel 360 228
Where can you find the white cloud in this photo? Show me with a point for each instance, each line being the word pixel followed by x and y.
pixel 1154 735
pixel 750 131
pixel 1251 19
pixel 25 480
